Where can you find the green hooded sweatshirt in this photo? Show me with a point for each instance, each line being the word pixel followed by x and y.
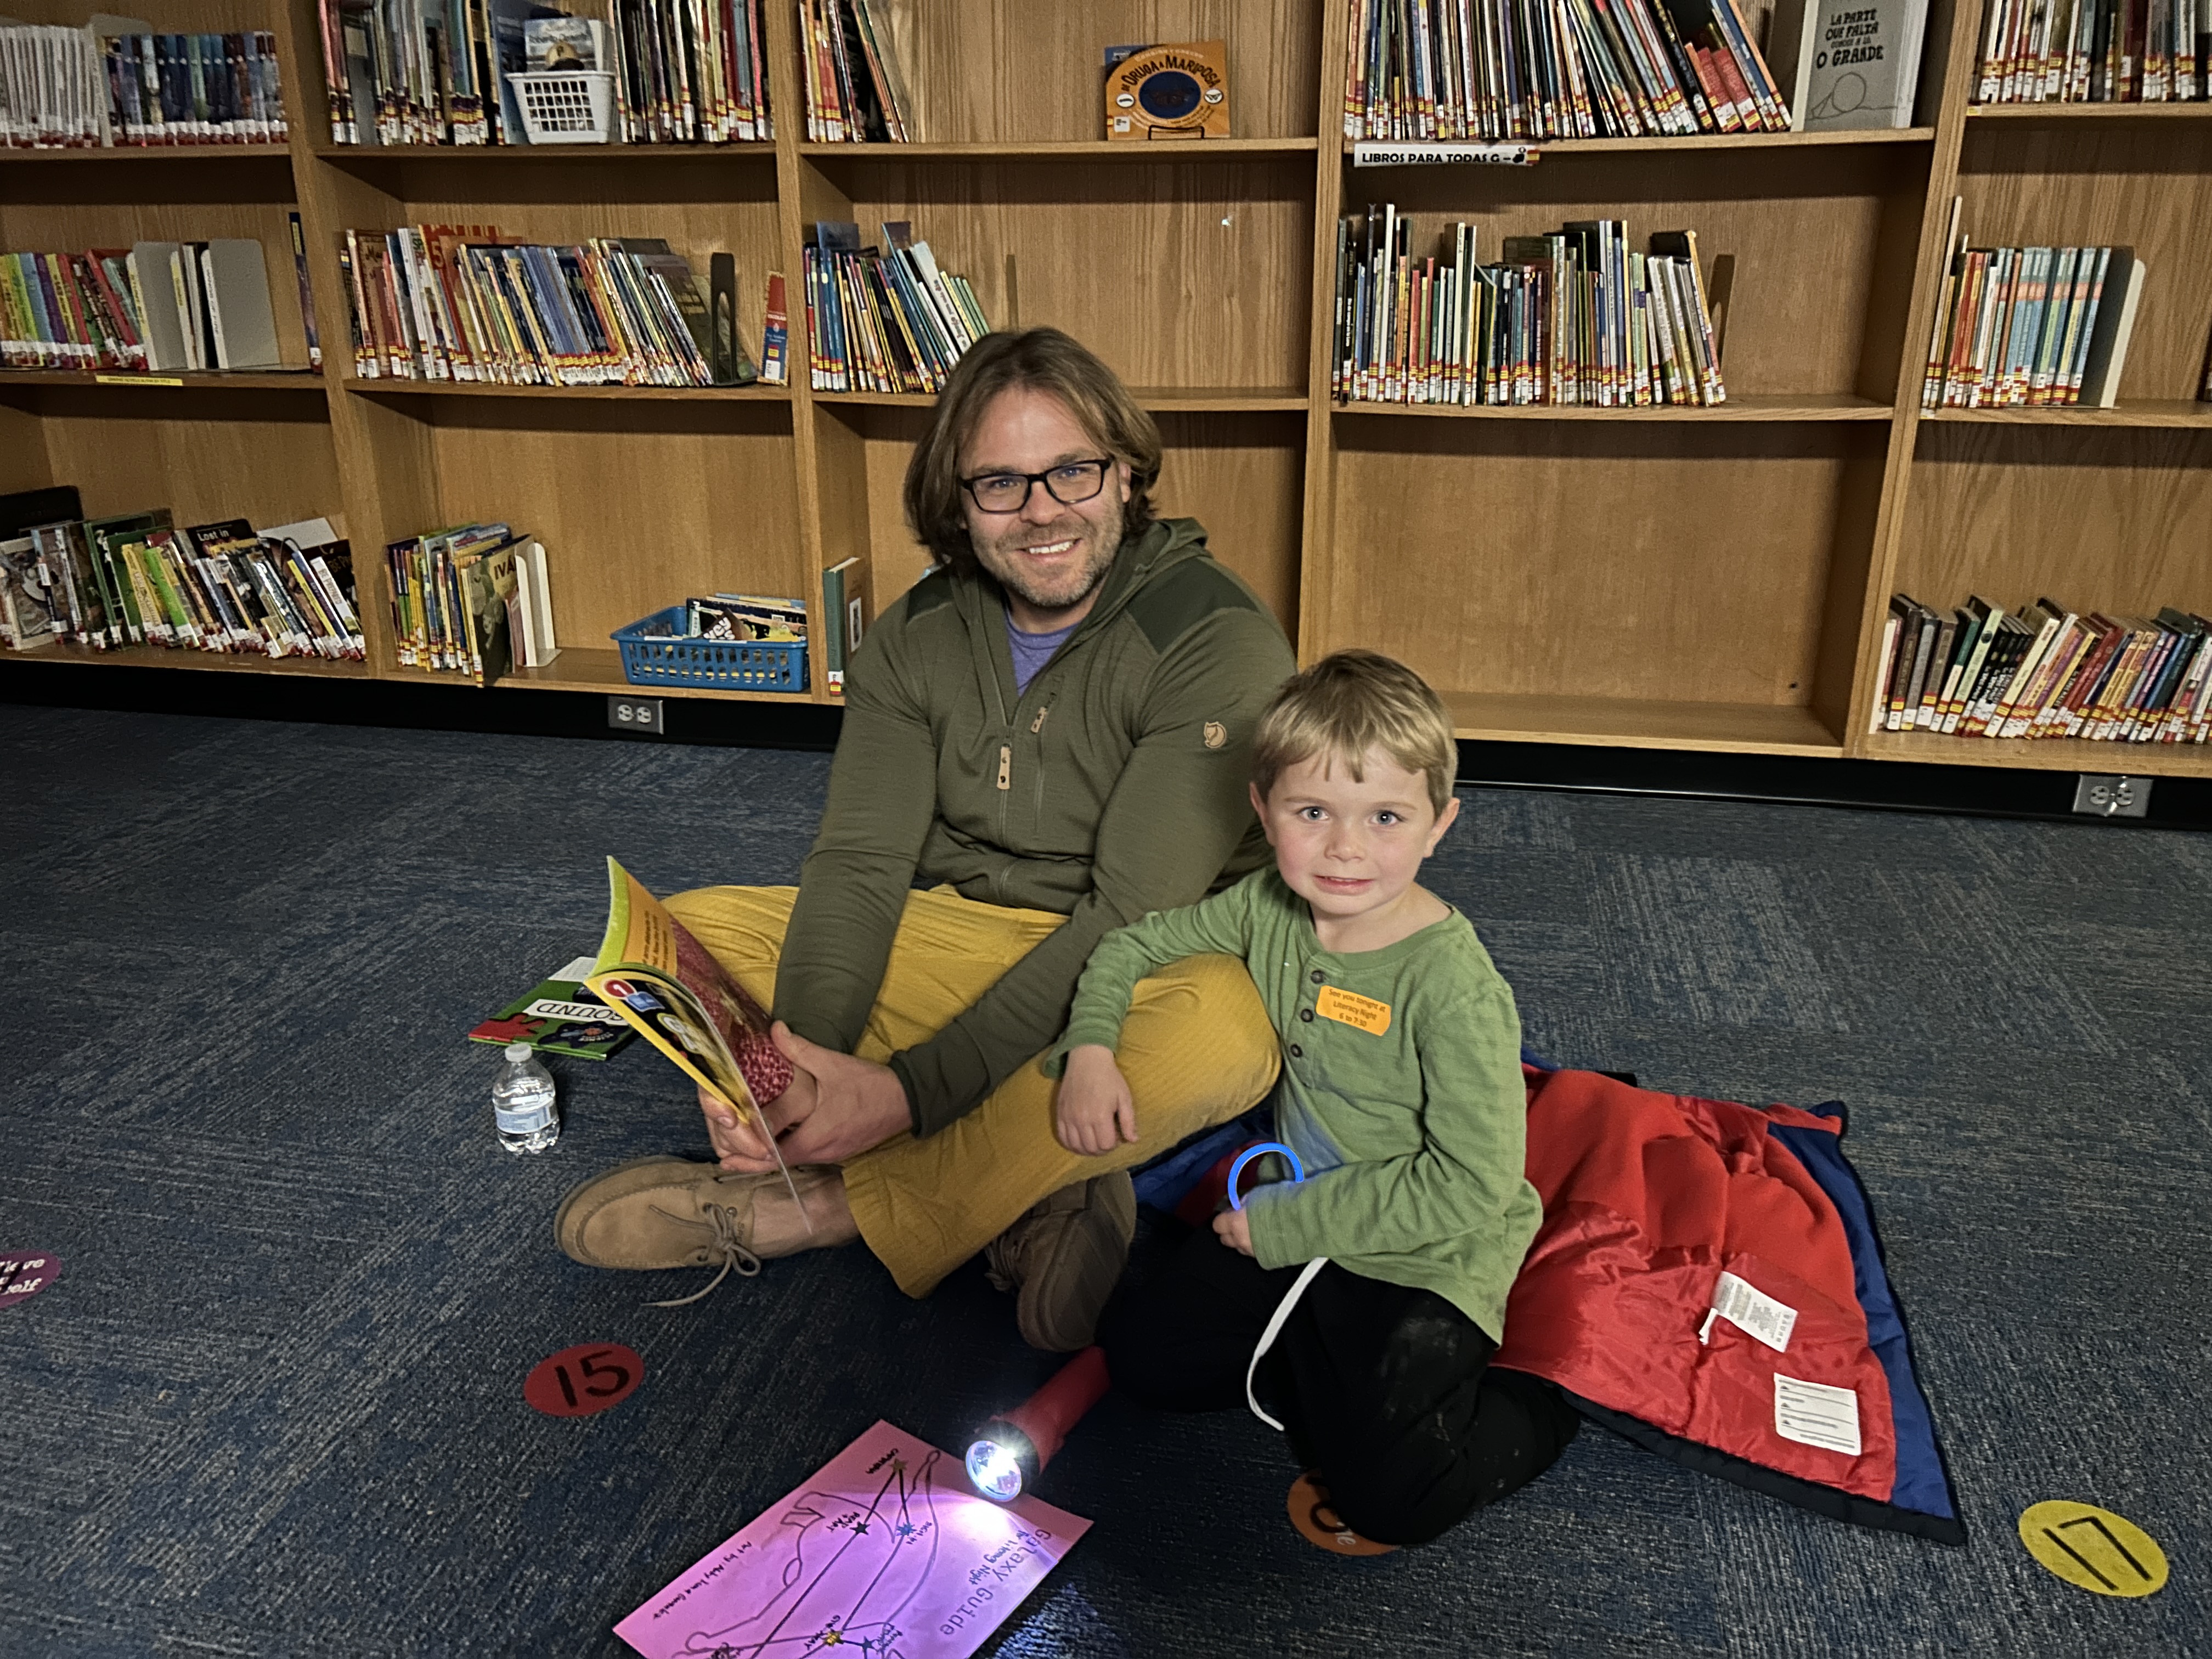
pixel 1113 786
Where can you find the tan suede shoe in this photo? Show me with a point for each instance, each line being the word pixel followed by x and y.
pixel 1063 1258
pixel 662 1212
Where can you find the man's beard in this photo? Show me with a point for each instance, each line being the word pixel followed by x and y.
pixel 1069 588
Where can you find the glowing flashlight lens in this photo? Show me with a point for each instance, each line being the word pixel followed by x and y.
pixel 995 1471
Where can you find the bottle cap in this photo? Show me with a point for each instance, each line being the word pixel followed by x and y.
pixel 518 1051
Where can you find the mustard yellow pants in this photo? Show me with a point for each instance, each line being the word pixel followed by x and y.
pixel 1196 1047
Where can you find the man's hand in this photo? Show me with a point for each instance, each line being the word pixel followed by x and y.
pixel 1233 1229
pixel 837 1108
pixel 1093 1113
pixel 741 1146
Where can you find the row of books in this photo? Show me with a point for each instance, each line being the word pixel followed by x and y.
pixel 854 92
pixel 471 599
pixel 2045 672
pixel 743 618
pixel 437 71
pixel 884 321
pixel 2033 327
pixel 155 305
pixel 2096 52
pixel 65 88
pixel 691 71
pixel 438 302
pixel 1490 69
pixel 1574 317
pixel 194 90
pixel 138 579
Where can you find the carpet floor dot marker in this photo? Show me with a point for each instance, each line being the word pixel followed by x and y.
pixel 24 1273
pixel 2092 1549
pixel 586 1378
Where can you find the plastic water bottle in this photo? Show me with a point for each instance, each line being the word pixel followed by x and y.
pixel 522 1104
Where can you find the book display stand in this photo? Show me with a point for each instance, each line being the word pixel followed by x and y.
pixel 1665 577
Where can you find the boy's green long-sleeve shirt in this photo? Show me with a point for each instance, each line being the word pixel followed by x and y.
pixel 1402 1090
pixel 1113 785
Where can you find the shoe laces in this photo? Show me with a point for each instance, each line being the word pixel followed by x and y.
pixel 728 1243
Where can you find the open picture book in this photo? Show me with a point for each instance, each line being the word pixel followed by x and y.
pixel 653 972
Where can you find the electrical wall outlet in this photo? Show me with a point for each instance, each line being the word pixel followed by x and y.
pixel 2104 795
pixel 636 714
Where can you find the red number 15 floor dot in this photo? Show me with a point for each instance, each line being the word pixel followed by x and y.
pixel 586 1378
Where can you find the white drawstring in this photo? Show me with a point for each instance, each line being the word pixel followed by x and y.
pixel 1274 1329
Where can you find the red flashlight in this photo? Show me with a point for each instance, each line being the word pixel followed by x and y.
pixel 1011 1450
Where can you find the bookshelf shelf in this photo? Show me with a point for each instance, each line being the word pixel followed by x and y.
pixel 1161 400
pixel 1688 579
pixel 1066 150
pixel 280 154
pixel 544 154
pixel 690 394
pixel 1725 727
pixel 1713 142
pixel 277 381
pixel 2143 411
pixel 1830 407
pixel 583 669
pixel 2137 760
pixel 154 656
pixel 2043 113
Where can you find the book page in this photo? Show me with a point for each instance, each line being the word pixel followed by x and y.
pixel 653 972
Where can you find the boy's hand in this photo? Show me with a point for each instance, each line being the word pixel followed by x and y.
pixel 1093 1113
pixel 1233 1229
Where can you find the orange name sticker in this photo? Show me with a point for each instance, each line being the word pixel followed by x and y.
pixel 1348 1009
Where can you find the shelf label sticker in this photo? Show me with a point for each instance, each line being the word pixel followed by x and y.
pixel 586 1378
pixel 137 380
pixel 2092 1549
pixel 1816 1414
pixel 24 1273
pixel 1372 154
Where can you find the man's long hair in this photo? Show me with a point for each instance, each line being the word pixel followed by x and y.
pixel 1041 359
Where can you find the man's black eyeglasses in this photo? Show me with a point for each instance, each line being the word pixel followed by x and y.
pixel 1067 484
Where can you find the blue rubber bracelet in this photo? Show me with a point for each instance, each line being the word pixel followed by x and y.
pixel 1297 1169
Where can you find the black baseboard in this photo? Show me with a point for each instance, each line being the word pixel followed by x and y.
pixel 1895 786
pixel 422 705
pixel 2007 792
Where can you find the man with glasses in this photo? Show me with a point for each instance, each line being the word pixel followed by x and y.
pixel 1047 737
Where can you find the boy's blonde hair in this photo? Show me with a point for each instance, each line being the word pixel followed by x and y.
pixel 1351 703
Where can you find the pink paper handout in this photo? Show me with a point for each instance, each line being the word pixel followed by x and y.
pixel 886 1552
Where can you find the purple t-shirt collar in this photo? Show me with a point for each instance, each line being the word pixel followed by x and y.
pixel 1032 651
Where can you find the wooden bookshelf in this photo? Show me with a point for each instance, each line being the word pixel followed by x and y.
pixel 1688 579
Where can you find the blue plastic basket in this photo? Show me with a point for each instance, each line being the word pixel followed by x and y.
pixel 718 664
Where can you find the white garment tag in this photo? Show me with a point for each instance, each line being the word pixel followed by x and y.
pixel 1754 1311
pixel 1816 1414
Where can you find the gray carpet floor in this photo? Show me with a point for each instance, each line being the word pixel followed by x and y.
pixel 273 1405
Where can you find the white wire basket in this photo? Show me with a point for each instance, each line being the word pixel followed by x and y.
pixel 566 107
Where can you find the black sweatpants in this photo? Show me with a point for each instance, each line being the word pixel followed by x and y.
pixel 1387 1392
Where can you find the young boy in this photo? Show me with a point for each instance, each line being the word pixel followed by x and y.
pixel 1401 1093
